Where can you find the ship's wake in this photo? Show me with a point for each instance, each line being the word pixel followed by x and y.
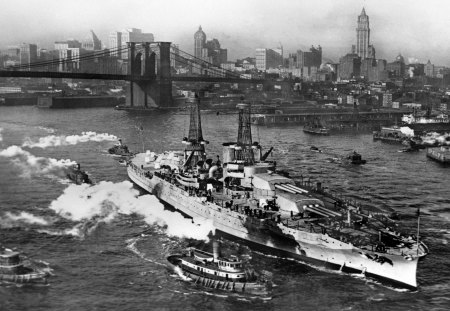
pixel 105 201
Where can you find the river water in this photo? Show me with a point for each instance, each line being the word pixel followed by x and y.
pixel 106 246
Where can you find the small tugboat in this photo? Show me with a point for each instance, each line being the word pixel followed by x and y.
pixel 216 272
pixel 13 269
pixel 75 174
pixel 355 158
pixel 120 149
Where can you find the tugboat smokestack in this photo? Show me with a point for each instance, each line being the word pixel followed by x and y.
pixel 216 250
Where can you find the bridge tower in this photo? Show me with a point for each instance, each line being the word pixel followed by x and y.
pixel 150 76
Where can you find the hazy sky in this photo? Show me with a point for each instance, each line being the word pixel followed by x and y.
pixel 418 29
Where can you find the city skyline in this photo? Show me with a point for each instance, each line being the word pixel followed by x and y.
pixel 414 30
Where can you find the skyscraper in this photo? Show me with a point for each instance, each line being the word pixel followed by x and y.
pixel 91 42
pixel 28 54
pixel 209 51
pixel 363 47
pixel 115 42
pixel 199 42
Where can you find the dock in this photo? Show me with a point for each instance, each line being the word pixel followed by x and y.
pixel 439 154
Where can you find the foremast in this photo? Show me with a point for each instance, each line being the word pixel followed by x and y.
pixel 194 152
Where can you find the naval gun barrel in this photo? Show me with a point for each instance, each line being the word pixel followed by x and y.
pixel 265 155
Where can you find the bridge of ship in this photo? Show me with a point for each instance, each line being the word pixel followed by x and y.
pixel 148 66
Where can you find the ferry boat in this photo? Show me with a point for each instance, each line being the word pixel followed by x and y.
pixel 13 269
pixel 249 201
pixel 76 175
pixel 427 123
pixel 220 273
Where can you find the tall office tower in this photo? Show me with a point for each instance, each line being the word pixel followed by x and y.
pixel 91 42
pixel 115 42
pixel 267 58
pixel 363 35
pixel 28 54
pixel 199 42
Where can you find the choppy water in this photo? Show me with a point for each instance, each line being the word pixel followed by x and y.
pixel 106 246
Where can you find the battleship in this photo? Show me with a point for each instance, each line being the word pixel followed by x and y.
pixel 252 202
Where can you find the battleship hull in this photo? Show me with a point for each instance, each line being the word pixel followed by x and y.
pixel 310 247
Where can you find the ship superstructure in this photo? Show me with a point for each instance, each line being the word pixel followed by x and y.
pixel 248 199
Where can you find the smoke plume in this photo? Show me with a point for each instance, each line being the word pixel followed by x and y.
pixel 32 165
pixel 62 140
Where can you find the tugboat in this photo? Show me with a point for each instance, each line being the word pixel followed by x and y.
pixel 120 149
pixel 247 199
pixel 213 271
pixel 13 269
pixel 75 174
pixel 355 158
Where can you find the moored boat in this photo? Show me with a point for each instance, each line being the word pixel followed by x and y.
pixel 393 134
pixel 427 122
pixel 219 273
pixel 13 269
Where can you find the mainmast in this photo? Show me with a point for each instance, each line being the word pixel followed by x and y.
pixel 195 144
pixel 244 150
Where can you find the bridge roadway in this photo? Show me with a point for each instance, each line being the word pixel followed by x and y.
pixel 102 76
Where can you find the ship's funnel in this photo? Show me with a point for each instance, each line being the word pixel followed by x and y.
pixel 216 250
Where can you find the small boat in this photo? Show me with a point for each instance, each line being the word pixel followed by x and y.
pixel 14 269
pixel 120 149
pixel 315 149
pixel 219 273
pixel 122 162
pixel 355 158
pixel 316 129
pixel 75 174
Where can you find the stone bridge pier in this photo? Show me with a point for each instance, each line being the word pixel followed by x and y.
pixel 150 77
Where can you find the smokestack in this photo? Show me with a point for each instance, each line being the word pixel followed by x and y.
pixel 216 250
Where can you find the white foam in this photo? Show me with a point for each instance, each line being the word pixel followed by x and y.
pixel 104 201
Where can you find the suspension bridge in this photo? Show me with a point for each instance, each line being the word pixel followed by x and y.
pixel 150 68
